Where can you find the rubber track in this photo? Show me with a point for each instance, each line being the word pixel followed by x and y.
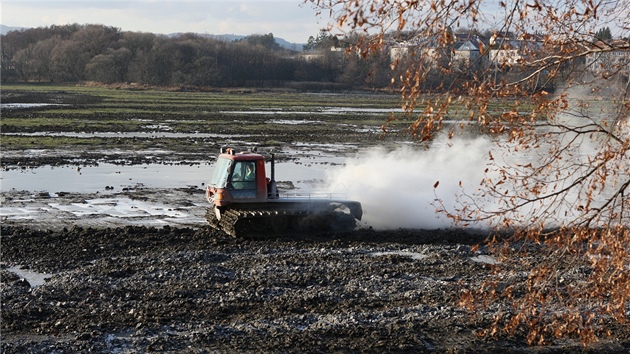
pixel 255 223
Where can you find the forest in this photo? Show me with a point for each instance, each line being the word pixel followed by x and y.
pixel 91 52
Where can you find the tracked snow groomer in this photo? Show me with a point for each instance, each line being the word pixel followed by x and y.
pixel 246 202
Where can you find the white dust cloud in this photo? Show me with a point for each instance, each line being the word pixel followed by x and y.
pixel 396 187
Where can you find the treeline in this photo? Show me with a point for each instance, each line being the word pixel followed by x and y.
pixel 74 53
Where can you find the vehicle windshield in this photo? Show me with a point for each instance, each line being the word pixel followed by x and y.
pixel 221 172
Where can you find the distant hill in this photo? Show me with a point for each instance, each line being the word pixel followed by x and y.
pixel 5 29
pixel 290 45
pixel 225 37
pixel 233 37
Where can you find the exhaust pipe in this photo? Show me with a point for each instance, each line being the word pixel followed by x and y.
pixel 272 193
pixel 273 168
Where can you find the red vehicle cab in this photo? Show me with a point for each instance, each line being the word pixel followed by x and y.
pixel 238 177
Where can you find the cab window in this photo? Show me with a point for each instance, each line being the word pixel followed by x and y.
pixel 244 175
pixel 221 173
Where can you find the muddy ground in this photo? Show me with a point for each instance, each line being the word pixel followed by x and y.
pixel 158 283
pixel 182 289
pixel 162 281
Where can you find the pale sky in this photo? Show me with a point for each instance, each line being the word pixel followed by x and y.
pixel 288 19
pixel 291 20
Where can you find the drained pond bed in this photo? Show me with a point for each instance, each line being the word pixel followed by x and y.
pixel 168 289
pixel 105 247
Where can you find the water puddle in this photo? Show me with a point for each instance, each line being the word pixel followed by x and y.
pixel 27 105
pixel 34 278
pixel 20 213
pixel 104 176
pixel 293 121
pixel 413 255
pixel 120 208
pixel 345 110
pixel 322 110
pixel 485 259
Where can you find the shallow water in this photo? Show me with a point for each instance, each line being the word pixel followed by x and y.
pixel 10 106
pixel 112 177
pixel 413 255
pixel 35 279
pixel 485 259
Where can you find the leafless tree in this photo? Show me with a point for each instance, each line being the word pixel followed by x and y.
pixel 547 86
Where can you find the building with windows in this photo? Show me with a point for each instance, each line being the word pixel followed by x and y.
pixel 506 52
pixel 610 57
pixel 467 53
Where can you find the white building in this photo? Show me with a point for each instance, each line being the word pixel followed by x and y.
pixel 609 57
